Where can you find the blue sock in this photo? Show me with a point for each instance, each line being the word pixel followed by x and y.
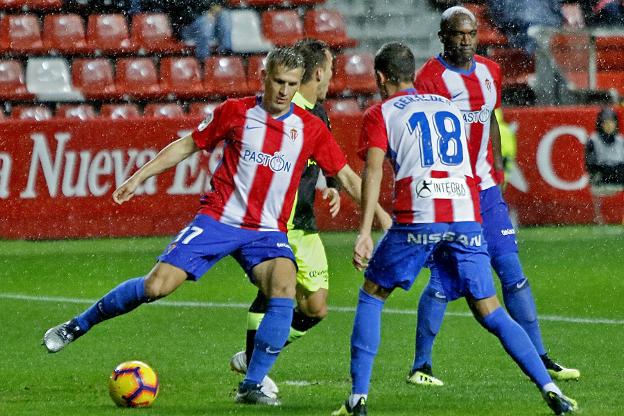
pixel 118 301
pixel 270 339
pixel 431 308
pixel 365 340
pixel 518 345
pixel 518 297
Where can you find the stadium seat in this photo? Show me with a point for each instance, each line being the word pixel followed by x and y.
pixel 225 76
pixel 246 33
pixel 272 3
pixel 255 64
pixel 328 25
pixel 34 5
pixel 64 33
pixel 151 32
pixel 21 33
pixel 610 53
pixel 108 33
pixel 120 111
pixel 137 77
pixel 488 34
pixel 49 79
pixel 170 110
pixel 29 112
pixel 201 109
pixel 282 27
pixel 181 77
pixel 610 80
pixel 12 86
pixel 354 73
pixel 341 108
pixel 517 65
pixel 94 77
pixel 81 112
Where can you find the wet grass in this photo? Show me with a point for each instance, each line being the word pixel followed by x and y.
pixel 576 273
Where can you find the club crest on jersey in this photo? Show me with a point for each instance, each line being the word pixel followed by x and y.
pixel 205 122
pixel 293 134
pixel 488 84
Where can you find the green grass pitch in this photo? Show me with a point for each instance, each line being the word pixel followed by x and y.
pixel 576 273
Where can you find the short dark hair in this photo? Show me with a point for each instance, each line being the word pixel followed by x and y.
pixel 313 52
pixel 396 61
pixel 289 58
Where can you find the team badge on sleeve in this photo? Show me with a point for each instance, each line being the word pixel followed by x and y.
pixel 205 122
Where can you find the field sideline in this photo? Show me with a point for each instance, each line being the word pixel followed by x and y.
pixel 576 274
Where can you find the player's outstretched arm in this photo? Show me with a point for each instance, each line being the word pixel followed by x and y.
pixel 352 184
pixel 168 157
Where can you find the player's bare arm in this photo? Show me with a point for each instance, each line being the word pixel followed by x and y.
pixel 353 186
pixel 371 183
pixel 167 158
pixel 496 143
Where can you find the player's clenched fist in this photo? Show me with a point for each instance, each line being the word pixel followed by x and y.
pixel 126 191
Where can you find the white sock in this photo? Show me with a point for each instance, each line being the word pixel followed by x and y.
pixel 552 387
pixel 355 398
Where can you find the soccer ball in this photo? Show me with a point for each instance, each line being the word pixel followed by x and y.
pixel 133 384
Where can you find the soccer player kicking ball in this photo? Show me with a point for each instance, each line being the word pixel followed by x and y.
pixel 473 83
pixel 303 235
pixel 268 144
pixel 436 207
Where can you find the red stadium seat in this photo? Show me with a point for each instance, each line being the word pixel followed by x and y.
pixel 21 33
pixel 340 108
pixel 137 77
pixel 354 73
pixel 94 77
pixel 31 4
pixel 120 111
pixel 282 27
pixel 269 3
pixel 170 110
pixel 610 80
pixel 108 33
pixel 181 77
pixel 202 109
pixel 29 112
pixel 76 112
pixel 610 53
pixel 487 34
pixel 516 65
pixel 225 76
pixel 64 33
pixel 328 25
pixel 153 33
pixel 12 85
pixel 255 64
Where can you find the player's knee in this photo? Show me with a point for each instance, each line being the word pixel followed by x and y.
pixel 159 284
pixel 508 269
pixel 317 311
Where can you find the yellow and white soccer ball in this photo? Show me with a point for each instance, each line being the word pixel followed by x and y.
pixel 133 384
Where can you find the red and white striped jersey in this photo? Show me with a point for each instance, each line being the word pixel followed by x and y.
pixel 425 140
pixel 263 157
pixel 477 92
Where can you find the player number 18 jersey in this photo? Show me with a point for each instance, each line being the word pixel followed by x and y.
pixel 425 140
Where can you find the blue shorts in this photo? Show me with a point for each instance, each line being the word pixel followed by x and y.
pixel 205 241
pixel 497 228
pixel 404 249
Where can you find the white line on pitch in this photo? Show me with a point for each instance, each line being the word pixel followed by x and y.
pixel 197 304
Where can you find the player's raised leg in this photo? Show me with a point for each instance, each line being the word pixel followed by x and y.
pixel 162 280
pixel 276 279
